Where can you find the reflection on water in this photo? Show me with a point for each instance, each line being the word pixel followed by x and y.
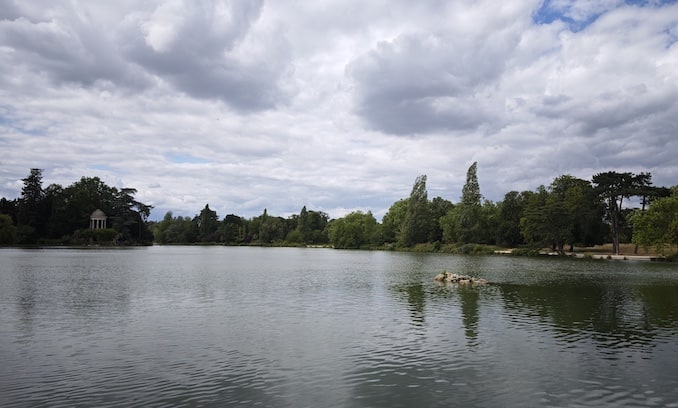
pixel 611 315
pixel 469 311
pixel 181 326
pixel 416 299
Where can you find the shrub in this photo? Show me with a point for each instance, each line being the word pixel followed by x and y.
pixel 465 249
pixel 525 252
pixel 105 236
pixel 475 249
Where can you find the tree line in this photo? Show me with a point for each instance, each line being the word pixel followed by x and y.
pixel 58 215
pixel 568 212
pixel 306 228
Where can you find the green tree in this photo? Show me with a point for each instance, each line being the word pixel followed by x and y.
pixel 208 224
pixel 294 237
pixel 303 225
pixel 8 233
pixel 55 203
pixel 416 225
pixel 439 207
pixel 317 222
pixel 582 209
pixel 310 227
pixel 355 230
pixel 393 220
pixel 508 224
pixel 468 216
pixel 160 228
pixel 31 205
pixel 9 207
pixel 648 193
pixel 564 213
pixel 269 228
pixel 546 220
pixel 488 223
pixel 612 188
pixel 449 224
pixel 182 230
pixel 658 225
pixel 233 229
pixel 534 225
pixel 128 216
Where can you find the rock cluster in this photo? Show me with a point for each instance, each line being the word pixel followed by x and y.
pixel 460 279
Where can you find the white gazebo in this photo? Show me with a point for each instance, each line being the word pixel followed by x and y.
pixel 97 220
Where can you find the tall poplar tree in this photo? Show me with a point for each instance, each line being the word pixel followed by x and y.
pixel 416 225
pixel 469 210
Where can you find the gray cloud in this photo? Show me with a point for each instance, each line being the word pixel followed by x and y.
pixel 252 105
pixel 440 76
pixel 201 48
pixel 9 10
pixel 198 48
pixel 67 49
pixel 425 82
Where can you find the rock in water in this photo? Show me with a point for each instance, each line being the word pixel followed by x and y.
pixel 460 279
pixel 440 277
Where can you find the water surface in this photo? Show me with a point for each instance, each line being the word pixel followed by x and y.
pixel 286 327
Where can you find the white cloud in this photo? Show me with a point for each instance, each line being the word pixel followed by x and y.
pixel 336 105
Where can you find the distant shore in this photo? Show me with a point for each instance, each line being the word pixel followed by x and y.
pixel 588 255
pixel 597 252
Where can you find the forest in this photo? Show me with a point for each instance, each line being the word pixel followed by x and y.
pixel 566 213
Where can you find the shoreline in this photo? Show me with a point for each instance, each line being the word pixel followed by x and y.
pixel 487 250
pixel 589 255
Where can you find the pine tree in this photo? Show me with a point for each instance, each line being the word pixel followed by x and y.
pixel 31 212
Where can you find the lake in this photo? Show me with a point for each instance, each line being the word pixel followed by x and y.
pixel 294 327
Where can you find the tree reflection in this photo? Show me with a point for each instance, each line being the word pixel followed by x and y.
pixel 469 298
pixel 416 301
pixel 26 303
pixel 660 305
pixel 613 315
pixel 469 311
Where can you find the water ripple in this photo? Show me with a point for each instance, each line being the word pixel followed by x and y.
pixel 200 327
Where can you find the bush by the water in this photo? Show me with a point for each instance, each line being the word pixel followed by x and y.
pixel 475 249
pixel 525 252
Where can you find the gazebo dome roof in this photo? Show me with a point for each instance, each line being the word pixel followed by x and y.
pixel 98 214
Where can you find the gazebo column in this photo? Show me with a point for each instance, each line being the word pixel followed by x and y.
pixel 97 220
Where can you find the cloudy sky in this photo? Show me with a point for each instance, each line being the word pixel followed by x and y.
pixel 337 105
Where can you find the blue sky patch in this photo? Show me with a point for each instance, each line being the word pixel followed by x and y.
pixel 102 167
pixel 551 11
pixel 183 158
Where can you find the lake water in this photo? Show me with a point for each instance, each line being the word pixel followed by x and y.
pixel 287 327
